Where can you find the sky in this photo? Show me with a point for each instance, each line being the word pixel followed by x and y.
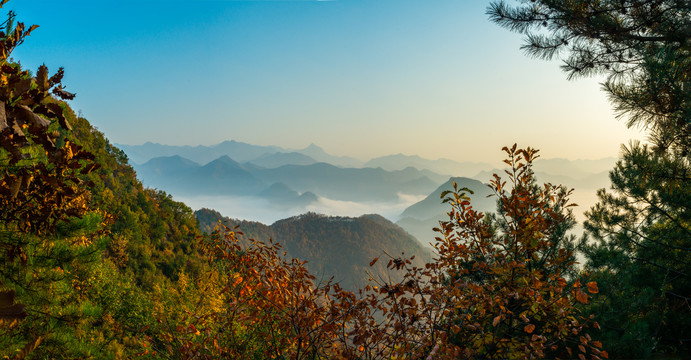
pixel 362 78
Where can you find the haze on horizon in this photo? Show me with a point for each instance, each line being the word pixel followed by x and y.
pixel 356 77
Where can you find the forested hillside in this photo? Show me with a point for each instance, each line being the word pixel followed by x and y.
pixel 341 247
pixel 89 284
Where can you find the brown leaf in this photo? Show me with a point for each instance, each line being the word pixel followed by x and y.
pixel 3 117
pixel 22 86
pixel 374 261
pixel 10 312
pixel 28 117
pixel 15 185
pixel 529 328
pixel 592 287
pixel 61 93
pixel 42 78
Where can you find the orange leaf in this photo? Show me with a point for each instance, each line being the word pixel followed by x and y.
pixel 373 261
pixel 597 344
pixel 529 328
pixel 496 320
pixel 604 354
pixel 581 297
pixel 592 287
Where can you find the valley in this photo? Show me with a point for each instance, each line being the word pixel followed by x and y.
pixel 270 183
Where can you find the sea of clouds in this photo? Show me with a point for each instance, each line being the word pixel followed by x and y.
pixel 261 210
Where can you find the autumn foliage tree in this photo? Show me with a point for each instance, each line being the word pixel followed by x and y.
pixel 501 287
pixel 259 305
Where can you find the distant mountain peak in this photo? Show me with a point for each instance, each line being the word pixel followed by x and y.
pixel 226 142
pixel 223 160
pixel 314 148
pixel 174 160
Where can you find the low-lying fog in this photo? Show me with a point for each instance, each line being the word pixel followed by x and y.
pixel 262 210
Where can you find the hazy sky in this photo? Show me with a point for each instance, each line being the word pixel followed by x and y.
pixel 363 78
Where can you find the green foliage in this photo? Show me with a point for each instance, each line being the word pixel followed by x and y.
pixel 83 244
pixel 642 46
pixel 642 254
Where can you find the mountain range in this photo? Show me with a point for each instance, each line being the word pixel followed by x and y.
pixel 225 176
pixel 298 181
pixel 275 156
pixel 239 151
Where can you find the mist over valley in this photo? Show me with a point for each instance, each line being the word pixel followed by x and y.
pixel 269 183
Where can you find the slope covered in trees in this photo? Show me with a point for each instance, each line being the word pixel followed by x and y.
pixel 341 247
pixel 84 246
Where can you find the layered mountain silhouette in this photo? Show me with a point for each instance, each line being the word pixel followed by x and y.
pixel 294 179
pixel 224 176
pixel 279 194
pixel 320 155
pixel 439 166
pixel 280 158
pixel 139 154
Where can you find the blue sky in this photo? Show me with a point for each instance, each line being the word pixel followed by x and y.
pixel 358 77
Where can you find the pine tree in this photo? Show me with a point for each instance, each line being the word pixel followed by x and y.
pixel 642 46
pixel 641 253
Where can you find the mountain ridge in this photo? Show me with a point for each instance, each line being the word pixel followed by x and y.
pixel 337 246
